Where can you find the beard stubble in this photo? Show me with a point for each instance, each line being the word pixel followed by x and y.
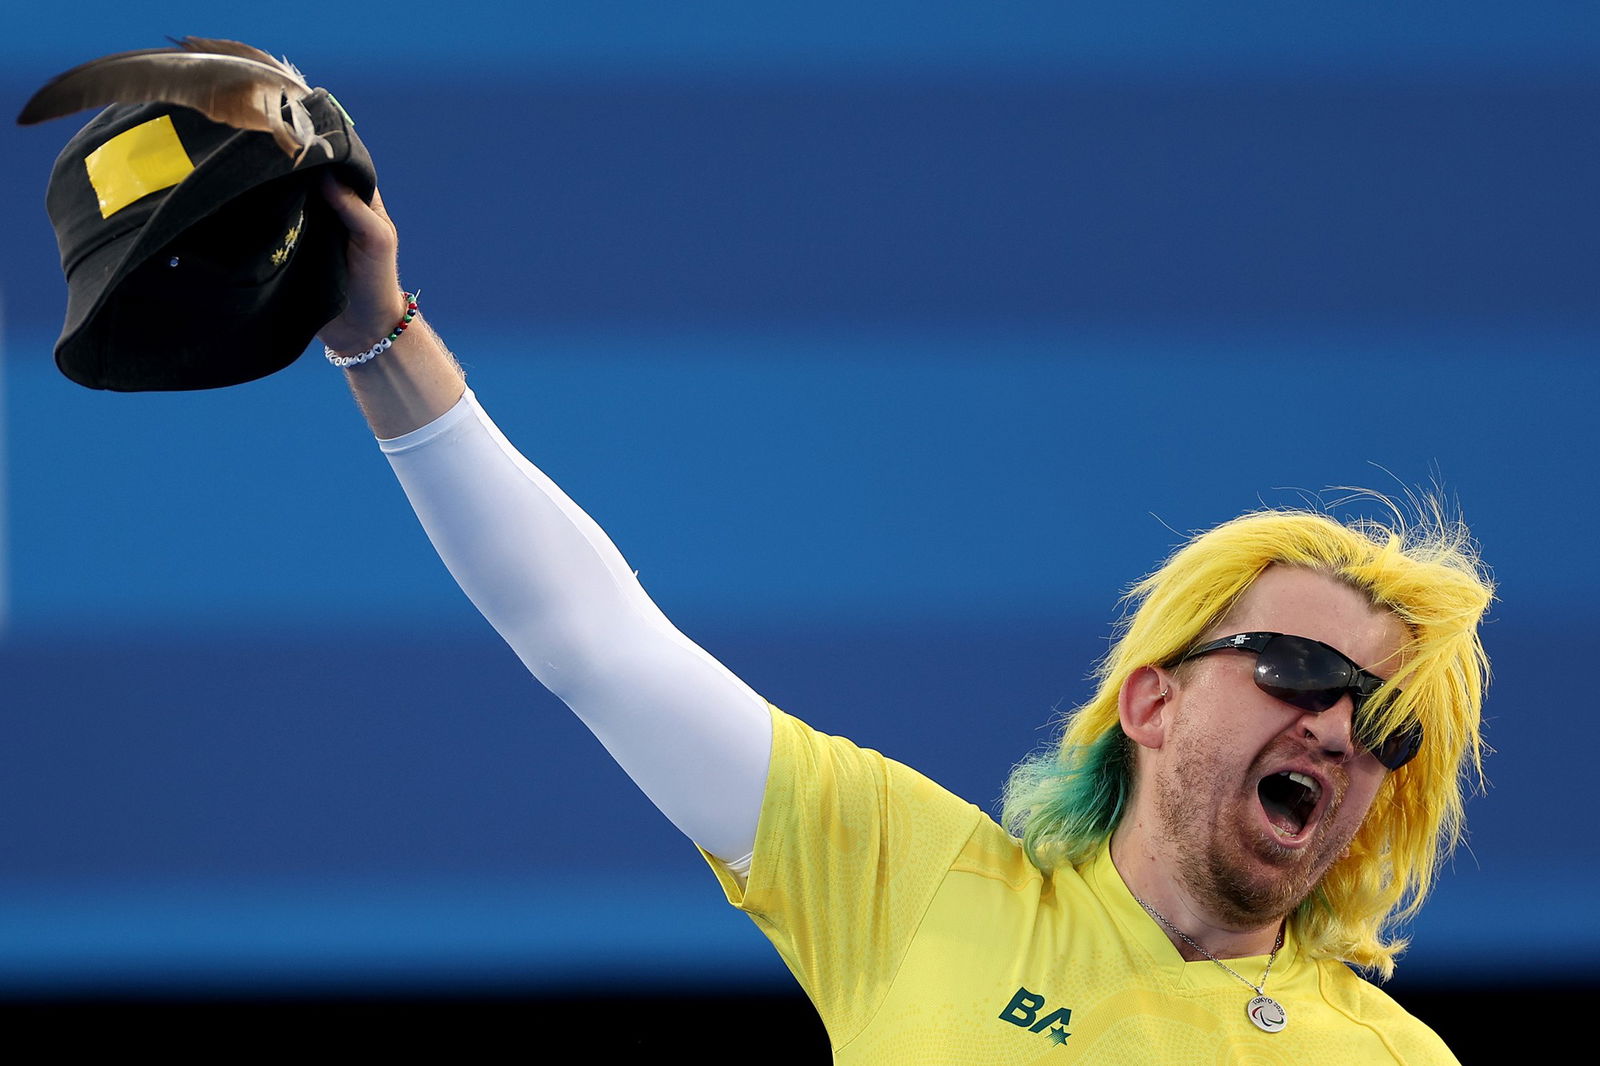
pixel 1229 865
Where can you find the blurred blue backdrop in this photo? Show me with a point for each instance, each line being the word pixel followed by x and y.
pixel 890 344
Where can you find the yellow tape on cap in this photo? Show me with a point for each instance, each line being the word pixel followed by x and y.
pixel 136 163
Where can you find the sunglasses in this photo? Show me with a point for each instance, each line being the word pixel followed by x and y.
pixel 1310 675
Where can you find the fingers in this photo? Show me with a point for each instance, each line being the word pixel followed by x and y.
pixel 341 198
pixel 372 284
pixel 369 225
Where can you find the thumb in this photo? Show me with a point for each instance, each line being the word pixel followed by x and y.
pixel 373 277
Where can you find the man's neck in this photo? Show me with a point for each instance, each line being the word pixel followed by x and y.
pixel 1152 877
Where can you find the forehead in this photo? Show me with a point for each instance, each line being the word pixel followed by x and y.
pixel 1307 603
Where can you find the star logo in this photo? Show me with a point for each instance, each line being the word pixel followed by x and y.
pixel 1024 1012
pixel 280 255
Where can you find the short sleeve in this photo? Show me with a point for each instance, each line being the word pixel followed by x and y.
pixel 850 850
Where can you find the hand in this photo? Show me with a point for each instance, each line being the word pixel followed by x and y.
pixel 371 259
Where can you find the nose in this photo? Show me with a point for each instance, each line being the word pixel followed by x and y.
pixel 1331 731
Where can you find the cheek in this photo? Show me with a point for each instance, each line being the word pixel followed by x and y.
pixel 1364 785
pixel 1237 721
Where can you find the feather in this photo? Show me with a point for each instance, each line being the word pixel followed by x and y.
pixel 227 81
pixel 225 47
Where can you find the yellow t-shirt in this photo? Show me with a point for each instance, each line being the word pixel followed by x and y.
pixel 924 936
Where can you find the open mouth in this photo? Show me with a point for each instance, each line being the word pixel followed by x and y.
pixel 1289 798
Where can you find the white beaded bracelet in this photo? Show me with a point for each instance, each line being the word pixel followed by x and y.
pixel 382 346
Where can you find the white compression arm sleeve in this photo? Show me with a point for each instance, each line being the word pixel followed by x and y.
pixel 693 736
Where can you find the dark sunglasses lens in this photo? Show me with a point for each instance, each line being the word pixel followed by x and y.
pixel 1397 749
pixel 1302 673
pixel 1313 677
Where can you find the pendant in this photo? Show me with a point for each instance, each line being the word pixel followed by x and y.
pixel 1267 1014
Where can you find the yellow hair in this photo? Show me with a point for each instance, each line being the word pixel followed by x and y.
pixel 1064 802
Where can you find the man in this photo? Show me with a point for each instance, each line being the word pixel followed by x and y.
pixel 1269 772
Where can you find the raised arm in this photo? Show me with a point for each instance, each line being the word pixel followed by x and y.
pixel 693 736
pixel 417 380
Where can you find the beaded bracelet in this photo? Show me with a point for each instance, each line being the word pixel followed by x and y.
pixel 382 346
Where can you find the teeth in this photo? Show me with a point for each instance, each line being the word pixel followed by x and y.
pixel 1308 783
pixel 1289 799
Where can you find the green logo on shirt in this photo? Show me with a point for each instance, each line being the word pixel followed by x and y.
pixel 1024 1009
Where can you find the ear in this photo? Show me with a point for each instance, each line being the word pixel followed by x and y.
pixel 1142 706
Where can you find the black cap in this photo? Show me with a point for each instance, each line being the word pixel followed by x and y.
pixel 197 255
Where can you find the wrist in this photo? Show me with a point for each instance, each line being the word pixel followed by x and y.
pixel 346 357
pixel 358 329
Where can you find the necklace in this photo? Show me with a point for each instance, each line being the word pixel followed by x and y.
pixel 1266 1013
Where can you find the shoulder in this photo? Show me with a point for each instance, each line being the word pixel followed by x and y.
pixel 851 851
pixel 815 776
pixel 1408 1037
pixel 992 853
pixel 839 821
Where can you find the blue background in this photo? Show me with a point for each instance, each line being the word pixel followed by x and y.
pixel 890 343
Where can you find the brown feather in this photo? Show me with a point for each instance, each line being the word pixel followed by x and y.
pixel 223 46
pixel 232 87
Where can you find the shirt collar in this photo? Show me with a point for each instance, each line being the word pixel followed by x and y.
pixel 1141 930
